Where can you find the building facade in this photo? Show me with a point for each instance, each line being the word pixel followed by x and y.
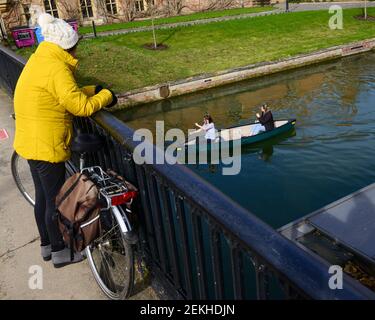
pixel 18 12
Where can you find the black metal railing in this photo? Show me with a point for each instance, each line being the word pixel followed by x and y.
pixel 11 66
pixel 200 243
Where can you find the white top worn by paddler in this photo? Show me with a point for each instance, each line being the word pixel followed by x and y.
pixel 210 131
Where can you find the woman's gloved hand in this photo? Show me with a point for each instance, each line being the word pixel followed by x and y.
pixel 98 88
pixel 114 99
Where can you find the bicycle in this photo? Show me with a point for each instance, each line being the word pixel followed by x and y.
pixel 111 255
pixel 22 175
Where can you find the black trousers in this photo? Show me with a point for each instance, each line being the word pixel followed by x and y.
pixel 48 179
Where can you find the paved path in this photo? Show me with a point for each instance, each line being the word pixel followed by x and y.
pixel 294 7
pixel 19 242
pixel 280 9
pixel 181 24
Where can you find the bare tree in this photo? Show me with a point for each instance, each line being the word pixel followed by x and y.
pixel 101 5
pixel 35 11
pixel 365 10
pixel 13 16
pixel 70 8
pixel 128 7
pixel 219 4
pixel 3 34
pixel 125 10
pixel 152 11
pixel 215 5
pixel 173 7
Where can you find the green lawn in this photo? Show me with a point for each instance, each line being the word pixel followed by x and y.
pixel 175 19
pixel 121 63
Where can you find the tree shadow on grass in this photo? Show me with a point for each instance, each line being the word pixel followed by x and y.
pixel 170 35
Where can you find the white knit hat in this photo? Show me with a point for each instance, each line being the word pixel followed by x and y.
pixel 57 31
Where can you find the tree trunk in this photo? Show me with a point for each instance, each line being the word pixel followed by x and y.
pixel 153 32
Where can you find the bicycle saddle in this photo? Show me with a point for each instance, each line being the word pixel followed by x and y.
pixel 87 143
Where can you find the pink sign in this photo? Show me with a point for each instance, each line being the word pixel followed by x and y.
pixel 23 36
pixel 3 134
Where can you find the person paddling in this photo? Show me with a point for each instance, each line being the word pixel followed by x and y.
pixel 209 128
pixel 265 119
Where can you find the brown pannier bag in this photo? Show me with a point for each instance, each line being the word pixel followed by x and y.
pixel 78 212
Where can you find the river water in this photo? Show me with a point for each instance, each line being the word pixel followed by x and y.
pixel 330 154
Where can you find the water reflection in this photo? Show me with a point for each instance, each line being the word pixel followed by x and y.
pixel 266 153
pixel 297 94
pixel 263 151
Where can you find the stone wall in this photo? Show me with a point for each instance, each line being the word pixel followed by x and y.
pixel 177 88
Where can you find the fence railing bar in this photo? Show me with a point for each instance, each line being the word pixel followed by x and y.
pixel 96 157
pixel 171 236
pixel 261 279
pixel 120 163
pixel 146 214
pixel 199 255
pixel 156 218
pixel 236 265
pixel 110 155
pixel 185 253
pixel 217 261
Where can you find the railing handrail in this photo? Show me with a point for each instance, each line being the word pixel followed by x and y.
pixel 306 272
pixel 19 61
pixel 16 57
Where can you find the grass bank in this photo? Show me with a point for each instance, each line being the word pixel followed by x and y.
pixel 175 19
pixel 121 63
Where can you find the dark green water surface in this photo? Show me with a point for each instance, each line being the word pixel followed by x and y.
pixel 330 154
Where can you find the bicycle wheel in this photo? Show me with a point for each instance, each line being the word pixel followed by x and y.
pixel 111 258
pixel 22 177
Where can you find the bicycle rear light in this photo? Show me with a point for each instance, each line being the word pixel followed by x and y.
pixel 123 198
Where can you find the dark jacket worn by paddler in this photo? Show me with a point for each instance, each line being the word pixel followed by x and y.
pixel 266 119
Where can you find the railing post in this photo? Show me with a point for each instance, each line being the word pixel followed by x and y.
pixel 171 236
pixel 181 216
pixel 94 28
pixel 262 280
pixel 237 265
pixel 217 263
pixel 199 255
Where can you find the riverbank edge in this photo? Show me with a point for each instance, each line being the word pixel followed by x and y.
pixel 201 82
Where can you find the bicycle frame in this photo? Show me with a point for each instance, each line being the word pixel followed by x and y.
pixel 107 191
pixel 122 220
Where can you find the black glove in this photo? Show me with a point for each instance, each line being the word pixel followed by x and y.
pixel 98 88
pixel 114 100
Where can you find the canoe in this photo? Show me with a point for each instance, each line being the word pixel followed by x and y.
pixel 238 133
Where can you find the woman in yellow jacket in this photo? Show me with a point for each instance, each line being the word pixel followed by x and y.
pixel 45 101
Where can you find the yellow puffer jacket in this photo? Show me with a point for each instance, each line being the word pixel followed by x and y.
pixel 46 99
